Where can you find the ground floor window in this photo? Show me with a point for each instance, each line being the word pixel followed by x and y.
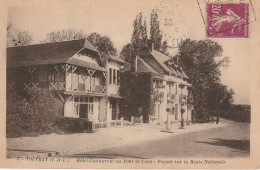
pixel 84 107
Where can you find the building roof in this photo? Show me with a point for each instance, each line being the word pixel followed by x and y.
pixel 185 75
pixel 128 67
pixel 144 67
pixel 47 53
pixel 115 96
pixel 161 58
pixel 118 59
pixel 89 46
pixel 81 63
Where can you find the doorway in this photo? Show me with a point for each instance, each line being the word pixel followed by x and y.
pixel 113 109
pixel 83 111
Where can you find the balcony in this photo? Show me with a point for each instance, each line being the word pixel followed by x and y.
pixel 77 87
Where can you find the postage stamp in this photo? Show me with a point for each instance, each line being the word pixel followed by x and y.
pixel 227 20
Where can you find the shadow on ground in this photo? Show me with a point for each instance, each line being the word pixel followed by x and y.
pixel 242 145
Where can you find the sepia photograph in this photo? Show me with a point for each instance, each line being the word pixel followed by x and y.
pixel 160 82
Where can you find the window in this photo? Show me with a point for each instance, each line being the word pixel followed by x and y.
pixel 81 99
pixel 92 80
pixel 76 99
pixel 59 76
pixel 114 76
pixel 118 77
pixel 75 83
pixel 76 76
pixel 110 76
pixel 88 102
pixel 51 76
pixel 76 109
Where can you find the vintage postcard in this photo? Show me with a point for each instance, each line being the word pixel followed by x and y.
pixel 148 84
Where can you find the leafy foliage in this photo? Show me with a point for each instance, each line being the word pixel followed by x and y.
pixel 74 125
pixel 32 115
pixel 201 62
pixel 127 53
pixel 240 113
pixel 17 37
pixel 103 43
pixel 156 33
pixel 136 92
pixel 140 36
pixel 64 35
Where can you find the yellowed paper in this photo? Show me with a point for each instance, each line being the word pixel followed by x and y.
pixel 162 137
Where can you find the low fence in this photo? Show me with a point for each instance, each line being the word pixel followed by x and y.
pixel 112 123
pixel 136 120
pixel 79 124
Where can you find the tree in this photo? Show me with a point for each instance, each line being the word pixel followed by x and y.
pixel 156 33
pixel 127 53
pixel 139 36
pixel 64 35
pixel 103 43
pixel 200 60
pixel 17 37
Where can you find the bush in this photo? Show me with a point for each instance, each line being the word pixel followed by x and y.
pixel 73 125
pixel 31 115
pixel 240 113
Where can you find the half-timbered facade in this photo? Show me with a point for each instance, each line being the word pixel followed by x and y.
pixel 74 70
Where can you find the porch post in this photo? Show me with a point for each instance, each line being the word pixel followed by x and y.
pixel 122 120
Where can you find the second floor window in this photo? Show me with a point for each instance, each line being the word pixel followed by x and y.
pixel 54 76
pixel 114 76
pixel 110 76
pixel 118 77
pixel 51 76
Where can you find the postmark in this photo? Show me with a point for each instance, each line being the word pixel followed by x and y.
pixel 227 20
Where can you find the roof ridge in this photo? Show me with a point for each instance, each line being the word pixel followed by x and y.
pixel 46 43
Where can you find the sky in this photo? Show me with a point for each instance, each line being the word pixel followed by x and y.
pixel 114 18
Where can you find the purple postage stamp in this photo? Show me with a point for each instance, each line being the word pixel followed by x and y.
pixel 227 20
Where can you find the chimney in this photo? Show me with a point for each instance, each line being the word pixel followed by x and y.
pixel 150 45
